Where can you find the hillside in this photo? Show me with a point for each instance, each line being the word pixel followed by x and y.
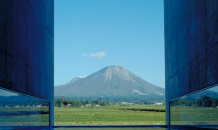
pixel 109 81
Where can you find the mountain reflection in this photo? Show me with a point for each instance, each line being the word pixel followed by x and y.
pixel 198 108
pixel 17 109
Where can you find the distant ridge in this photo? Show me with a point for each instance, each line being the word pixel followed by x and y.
pixel 109 81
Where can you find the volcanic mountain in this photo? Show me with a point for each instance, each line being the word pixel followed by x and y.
pixel 109 81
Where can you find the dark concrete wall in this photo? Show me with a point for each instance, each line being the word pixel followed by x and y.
pixel 27 46
pixel 191 46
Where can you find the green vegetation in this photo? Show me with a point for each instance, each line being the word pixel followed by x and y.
pixel 60 102
pixel 193 115
pixel 204 101
pixel 110 115
pixel 24 116
pixel 151 99
pixel 201 111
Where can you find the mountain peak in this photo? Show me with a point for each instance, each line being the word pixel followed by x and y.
pixel 117 71
pixel 113 67
pixel 117 68
pixel 109 81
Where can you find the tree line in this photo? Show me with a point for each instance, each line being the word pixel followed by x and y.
pixel 62 102
pixel 204 101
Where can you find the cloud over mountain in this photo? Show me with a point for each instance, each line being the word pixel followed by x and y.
pixel 97 55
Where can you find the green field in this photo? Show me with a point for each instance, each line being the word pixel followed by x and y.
pixel 193 115
pixel 111 115
pixel 24 116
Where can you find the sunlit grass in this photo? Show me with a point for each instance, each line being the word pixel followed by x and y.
pixel 193 115
pixel 109 115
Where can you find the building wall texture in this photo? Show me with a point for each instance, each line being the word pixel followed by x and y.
pixel 191 46
pixel 27 47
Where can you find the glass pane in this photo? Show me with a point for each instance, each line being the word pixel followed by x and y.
pixel 109 62
pixel 136 128
pixel 20 110
pixel 196 109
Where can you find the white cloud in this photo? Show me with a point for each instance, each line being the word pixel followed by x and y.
pixel 85 54
pixel 97 55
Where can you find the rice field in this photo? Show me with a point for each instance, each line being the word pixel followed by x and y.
pixel 111 115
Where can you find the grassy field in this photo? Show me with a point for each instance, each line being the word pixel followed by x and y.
pixel 193 115
pixel 24 116
pixel 111 115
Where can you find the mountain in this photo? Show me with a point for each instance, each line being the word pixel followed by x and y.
pixel 196 96
pixel 109 81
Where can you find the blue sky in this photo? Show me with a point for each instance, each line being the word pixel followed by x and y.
pixel 93 34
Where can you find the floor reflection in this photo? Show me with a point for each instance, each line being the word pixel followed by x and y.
pixel 113 129
pixel 200 108
pixel 22 110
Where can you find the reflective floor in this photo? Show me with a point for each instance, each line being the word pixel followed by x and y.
pixel 112 129
pixel 138 128
pixel 129 129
